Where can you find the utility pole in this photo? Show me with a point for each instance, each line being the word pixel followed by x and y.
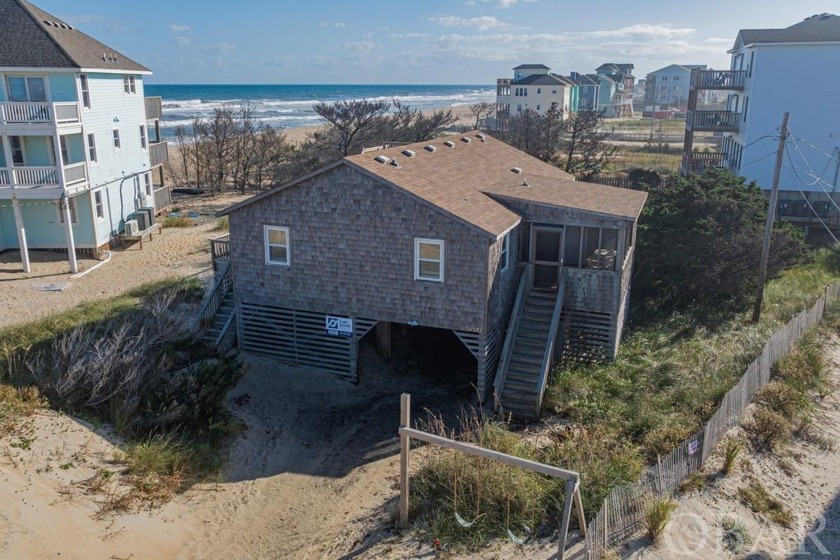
pixel 771 217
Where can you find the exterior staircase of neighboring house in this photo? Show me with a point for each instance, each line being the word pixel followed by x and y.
pixel 528 350
pixel 216 322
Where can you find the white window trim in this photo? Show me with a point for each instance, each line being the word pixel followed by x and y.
pixel 91 147
pixel 144 137
pixel 440 243
pixel 505 255
pixel 116 139
pixel 84 87
pixel 268 261
pixel 93 194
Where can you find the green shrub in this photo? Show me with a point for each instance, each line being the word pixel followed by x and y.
pixel 222 224
pixel 731 449
pixel 759 500
pixel 657 515
pixel 178 222
pixel 784 399
pixel 735 536
pixel 768 428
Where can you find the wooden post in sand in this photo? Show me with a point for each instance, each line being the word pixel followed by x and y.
pixel 405 444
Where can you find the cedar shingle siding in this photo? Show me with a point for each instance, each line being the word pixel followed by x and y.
pixel 352 253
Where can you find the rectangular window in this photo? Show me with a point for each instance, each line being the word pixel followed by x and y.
pixel 18 157
pixel 505 257
pixel 83 80
pixel 65 153
pixel 428 259
pixel 276 245
pixel 752 58
pixel 538 107
pixel 72 205
pixel 91 146
pixel 539 90
pixel 746 106
pixel 116 138
pixel 143 136
pixel 98 206
pixel 148 179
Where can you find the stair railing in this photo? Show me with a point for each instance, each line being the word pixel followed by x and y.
pixel 211 305
pixel 548 356
pixel 227 337
pixel 513 326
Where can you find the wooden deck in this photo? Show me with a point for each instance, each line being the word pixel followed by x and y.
pixel 154 229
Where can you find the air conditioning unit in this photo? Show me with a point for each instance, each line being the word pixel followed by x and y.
pixel 150 214
pixel 142 219
pixel 131 227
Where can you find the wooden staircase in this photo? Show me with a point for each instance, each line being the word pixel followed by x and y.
pixel 220 321
pixel 529 347
pixel 520 394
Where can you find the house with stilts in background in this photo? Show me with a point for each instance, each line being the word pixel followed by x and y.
pixel 463 234
pixel 80 149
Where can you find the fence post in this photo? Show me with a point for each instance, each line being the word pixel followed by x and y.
pixel 571 487
pixel 659 475
pixel 405 443
pixel 579 508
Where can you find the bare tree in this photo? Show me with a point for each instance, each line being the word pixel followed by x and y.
pixel 349 123
pixel 586 151
pixel 481 111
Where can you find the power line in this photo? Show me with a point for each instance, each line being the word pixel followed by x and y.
pixel 808 202
pixel 829 156
pixel 817 181
pixel 804 159
pixel 759 159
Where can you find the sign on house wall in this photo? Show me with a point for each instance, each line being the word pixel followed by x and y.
pixel 339 326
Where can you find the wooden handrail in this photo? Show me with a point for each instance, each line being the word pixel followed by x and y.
pixel 548 357
pixel 224 333
pixel 510 336
pixel 214 298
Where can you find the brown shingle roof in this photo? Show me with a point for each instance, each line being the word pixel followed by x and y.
pixel 463 181
pixel 466 181
pixel 32 38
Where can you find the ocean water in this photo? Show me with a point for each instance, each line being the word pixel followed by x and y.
pixel 290 106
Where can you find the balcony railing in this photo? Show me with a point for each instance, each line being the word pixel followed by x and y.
pixel 43 176
pixel 718 79
pixel 158 153
pixel 39 113
pixel 75 173
pixel 712 121
pixel 154 108
pixel 699 162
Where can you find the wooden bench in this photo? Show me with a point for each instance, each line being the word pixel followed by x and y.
pixel 150 231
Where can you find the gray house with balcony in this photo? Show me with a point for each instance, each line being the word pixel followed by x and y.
pixel 464 233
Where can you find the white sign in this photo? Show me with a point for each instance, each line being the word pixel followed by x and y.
pixel 339 326
pixel 693 447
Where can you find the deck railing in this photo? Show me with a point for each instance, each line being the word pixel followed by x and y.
pixel 699 162
pixel 35 176
pixel 158 153
pixel 38 113
pixel 220 250
pixel 154 108
pixel 510 336
pixel 163 198
pixel 227 336
pixel 75 173
pixel 5 180
pixel 718 79
pixel 712 121
pixel 548 356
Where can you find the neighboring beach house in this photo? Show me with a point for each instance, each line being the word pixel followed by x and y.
pixel 463 233
pixel 774 71
pixel 80 146
pixel 618 80
pixel 587 87
pixel 670 85
pixel 533 87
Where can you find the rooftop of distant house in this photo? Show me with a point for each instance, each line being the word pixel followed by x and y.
pixel 820 28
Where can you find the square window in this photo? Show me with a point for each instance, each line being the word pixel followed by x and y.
pixel 428 259
pixel 276 245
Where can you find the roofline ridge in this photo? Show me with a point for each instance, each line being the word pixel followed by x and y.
pixel 25 6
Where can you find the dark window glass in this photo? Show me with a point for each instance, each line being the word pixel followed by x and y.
pixel 571 253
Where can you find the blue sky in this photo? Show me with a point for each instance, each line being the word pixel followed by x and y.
pixel 429 42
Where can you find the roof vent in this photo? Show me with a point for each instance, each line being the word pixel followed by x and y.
pixel 516 170
pixel 525 183
pixel 394 162
pixel 430 148
pixel 449 144
pixel 382 159
pixel 480 136
pixel 466 140
pixel 408 153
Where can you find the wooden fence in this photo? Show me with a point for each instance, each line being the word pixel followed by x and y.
pixel 622 513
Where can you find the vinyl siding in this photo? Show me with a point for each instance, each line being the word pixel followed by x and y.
pixel 791 78
pixel 63 87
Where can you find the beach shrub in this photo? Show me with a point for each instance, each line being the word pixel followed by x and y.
pixel 657 515
pixel 731 449
pixel 758 499
pixel 767 428
pixel 735 535
pixel 178 222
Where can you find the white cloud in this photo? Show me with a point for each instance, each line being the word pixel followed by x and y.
pixel 332 24
pixel 361 47
pixel 175 28
pixel 182 41
pixel 499 3
pixel 479 22
pixel 642 30
pixel 408 36
pixel 223 49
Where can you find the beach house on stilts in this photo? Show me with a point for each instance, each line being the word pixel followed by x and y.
pixel 80 149
pixel 464 233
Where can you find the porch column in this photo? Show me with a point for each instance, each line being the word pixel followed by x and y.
pixel 383 339
pixel 68 234
pixel 21 232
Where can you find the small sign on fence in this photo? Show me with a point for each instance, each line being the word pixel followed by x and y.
pixel 693 447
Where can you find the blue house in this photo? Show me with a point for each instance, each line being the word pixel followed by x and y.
pixel 587 88
pixel 80 146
